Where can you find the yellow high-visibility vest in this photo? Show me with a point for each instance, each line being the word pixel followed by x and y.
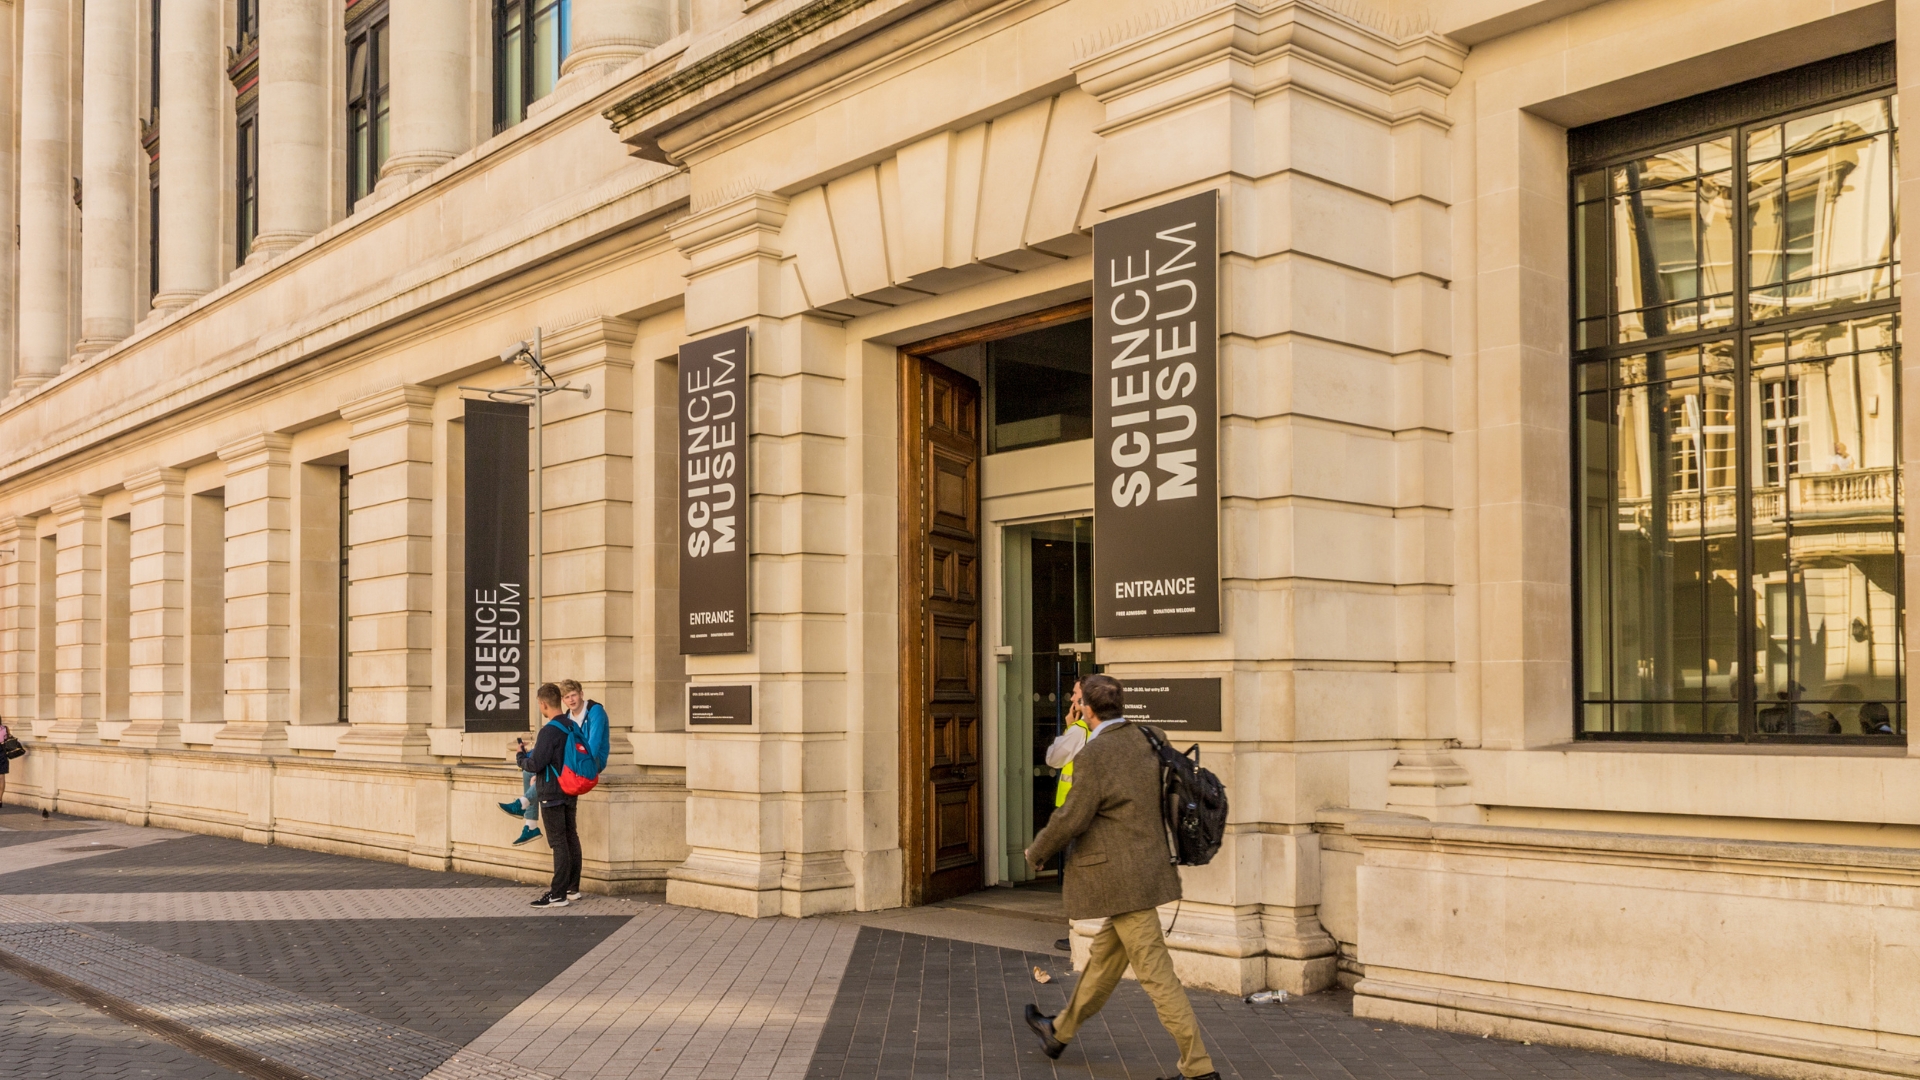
pixel 1066 771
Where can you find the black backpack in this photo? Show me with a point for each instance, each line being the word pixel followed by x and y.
pixel 1193 803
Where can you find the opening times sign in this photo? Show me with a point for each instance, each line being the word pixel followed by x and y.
pixel 713 494
pixel 496 577
pixel 1156 421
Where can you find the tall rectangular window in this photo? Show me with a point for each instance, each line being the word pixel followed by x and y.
pixel 368 98
pixel 530 40
pixel 344 616
pixel 1736 384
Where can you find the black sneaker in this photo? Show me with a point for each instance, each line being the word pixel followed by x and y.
pixel 573 894
pixel 1215 1075
pixel 1063 945
pixel 551 901
pixel 1042 1025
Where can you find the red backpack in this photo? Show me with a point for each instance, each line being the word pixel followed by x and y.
pixel 579 771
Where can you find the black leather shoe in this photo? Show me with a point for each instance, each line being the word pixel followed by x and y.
pixel 1215 1075
pixel 1063 945
pixel 1042 1025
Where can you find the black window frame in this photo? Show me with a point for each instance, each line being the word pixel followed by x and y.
pixel 243 70
pixel 1863 76
pixel 367 27
pixel 521 43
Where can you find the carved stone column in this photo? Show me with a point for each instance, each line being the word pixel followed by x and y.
pixel 46 191
pixel 259 594
pixel 390 593
pixel 432 91
pixel 294 117
pixel 157 602
pixel 110 152
pixel 192 117
pixel 80 609
pixel 608 33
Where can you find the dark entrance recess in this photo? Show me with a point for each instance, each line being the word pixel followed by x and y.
pixel 1019 384
pixel 940 631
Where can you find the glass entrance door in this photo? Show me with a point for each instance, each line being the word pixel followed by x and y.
pixel 1049 630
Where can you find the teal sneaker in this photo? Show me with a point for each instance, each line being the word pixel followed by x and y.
pixel 527 833
pixel 514 808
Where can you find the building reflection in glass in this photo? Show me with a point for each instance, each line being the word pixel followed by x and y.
pixel 1740 494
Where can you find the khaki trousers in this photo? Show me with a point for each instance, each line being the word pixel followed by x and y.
pixel 1135 938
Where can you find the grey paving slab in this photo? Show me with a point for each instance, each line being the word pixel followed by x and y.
pixel 46 1037
pixel 911 1006
pixel 681 993
pixel 215 864
pixel 449 978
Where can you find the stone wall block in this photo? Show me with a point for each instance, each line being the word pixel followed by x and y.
pixel 259 587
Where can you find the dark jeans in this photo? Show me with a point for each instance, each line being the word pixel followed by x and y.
pixel 563 836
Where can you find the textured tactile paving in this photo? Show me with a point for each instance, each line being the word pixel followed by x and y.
pixel 922 1008
pixel 319 1040
pixel 46 1037
pixel 449 978
pixel 311 905
pixel 216 864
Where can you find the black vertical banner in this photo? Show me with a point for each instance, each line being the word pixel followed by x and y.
pixel 498 606
pixel 713 494
pixel 1156 421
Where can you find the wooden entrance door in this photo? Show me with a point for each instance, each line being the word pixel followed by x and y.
pixel 940 624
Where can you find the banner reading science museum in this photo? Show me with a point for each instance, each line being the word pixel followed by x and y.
pixel 497 606
pixel 713 494
pixel 1156 422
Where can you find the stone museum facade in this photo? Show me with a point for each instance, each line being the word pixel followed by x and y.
pixel 1560 462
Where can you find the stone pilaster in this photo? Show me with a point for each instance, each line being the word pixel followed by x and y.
pixel 192 167
pixel 1334 503
pixel 589 627
pixel 19 620
pixel 157 605
pixel 295 114
pixel 766 822
pixel 390 591
pixel 110 152
pixel 79 611
pixel 259 569
pixel 46 190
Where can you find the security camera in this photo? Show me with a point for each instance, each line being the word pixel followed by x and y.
pixel 513 352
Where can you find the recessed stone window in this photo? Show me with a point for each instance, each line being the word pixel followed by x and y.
pixel 1735 323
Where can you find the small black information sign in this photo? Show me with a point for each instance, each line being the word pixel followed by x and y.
pixel 720 705
pixel 1173 704
pixel 496 573
pixel 713 495
pixel 1156 421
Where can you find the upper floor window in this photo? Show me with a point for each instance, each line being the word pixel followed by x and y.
pixel 1738 490
pixel 246 186
pixel 530 40
pixel 368 97
pixel 244 71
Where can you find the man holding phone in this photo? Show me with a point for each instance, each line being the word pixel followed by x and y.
pixel 556 806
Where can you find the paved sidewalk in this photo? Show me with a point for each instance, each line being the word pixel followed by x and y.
pixel 214 958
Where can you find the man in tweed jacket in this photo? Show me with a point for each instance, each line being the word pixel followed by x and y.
pixel 1118 868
